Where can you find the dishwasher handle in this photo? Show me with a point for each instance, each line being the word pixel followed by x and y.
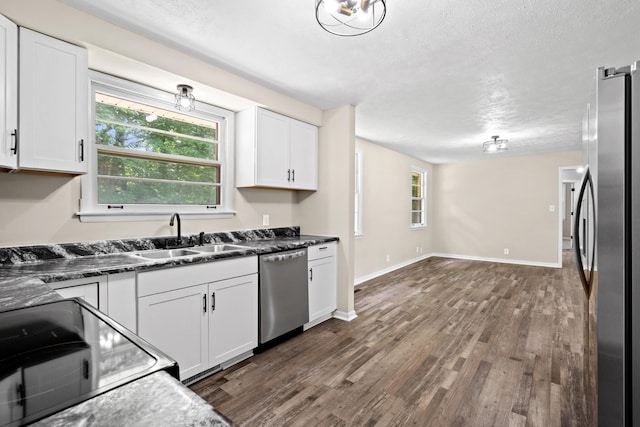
pixel 284 257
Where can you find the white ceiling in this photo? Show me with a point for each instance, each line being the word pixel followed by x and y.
pixel 434 81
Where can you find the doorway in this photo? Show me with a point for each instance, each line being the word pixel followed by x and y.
pixel 570 178
pixel 568 207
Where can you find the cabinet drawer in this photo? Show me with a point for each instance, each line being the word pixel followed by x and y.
pixel 321 251
pixel 168 279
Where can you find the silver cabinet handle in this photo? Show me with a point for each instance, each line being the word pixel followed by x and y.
pixel 293 174
pixel 288 175
pixel 213 301
pixel 204 303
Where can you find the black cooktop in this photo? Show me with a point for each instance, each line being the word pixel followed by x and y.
pixel 55 355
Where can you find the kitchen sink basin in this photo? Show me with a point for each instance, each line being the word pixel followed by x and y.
pixel 167 253
pixel 218 248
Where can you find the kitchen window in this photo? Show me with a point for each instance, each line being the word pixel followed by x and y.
pixel 149 159
pixel 357 225
pixel 418 198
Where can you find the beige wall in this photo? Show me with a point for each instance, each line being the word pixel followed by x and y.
pixel 330 210
pixel 386 205
pixel 40 209
pixel 482 207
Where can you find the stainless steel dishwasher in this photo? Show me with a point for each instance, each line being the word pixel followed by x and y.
pixel 284 293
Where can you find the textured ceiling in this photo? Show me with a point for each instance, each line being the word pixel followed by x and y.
pixel 434 81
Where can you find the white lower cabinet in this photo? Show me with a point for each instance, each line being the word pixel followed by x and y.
pixel 92 290
pixel 176 322
pixel 322 283
pixel 121 299
pixel 113 294
pixel 233 323
pixel 200 315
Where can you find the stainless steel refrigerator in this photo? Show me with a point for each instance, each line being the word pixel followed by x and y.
pixel 617 244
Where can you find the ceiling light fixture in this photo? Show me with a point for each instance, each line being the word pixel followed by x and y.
pixel 350 17
pixel 185 101
pixel 496 145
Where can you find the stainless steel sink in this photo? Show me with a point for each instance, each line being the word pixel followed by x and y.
pixel 167 253
pixel 218 248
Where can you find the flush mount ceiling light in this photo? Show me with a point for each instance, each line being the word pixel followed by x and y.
pixel 185 101
pixel 350 17
pixel 496 145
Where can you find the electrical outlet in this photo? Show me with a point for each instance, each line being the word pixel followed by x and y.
pixel 388 258
pixel 417 249
pixel 506 251
pixel 265 219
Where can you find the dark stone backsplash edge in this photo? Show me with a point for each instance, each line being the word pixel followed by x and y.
pixel 37 253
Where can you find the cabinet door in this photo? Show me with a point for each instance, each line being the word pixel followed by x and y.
pixel 233 324
pixel 322 287
pixel 303 152
pixel 8 92
pixel 53 104
pixel 121 297
pixel 88 292
pixel 176 323
pixel 272 156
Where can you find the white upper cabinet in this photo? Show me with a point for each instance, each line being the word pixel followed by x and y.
pixel 53 104
pixel 303 155
pixel 8 92
pixel 275 151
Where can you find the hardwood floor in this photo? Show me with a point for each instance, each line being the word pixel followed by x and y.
pixel 442 342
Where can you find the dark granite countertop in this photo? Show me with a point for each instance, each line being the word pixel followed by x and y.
pixel 157 399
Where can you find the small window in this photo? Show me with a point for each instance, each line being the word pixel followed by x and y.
pixel 148 159
pixel 358 195
pixel 418 198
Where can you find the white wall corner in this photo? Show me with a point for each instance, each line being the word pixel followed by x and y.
pixel 343 315
pixel 360 280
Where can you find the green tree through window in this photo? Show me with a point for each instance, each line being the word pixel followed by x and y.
pixel 152 156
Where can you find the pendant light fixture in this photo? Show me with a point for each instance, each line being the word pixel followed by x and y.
pixel 350 17
pixel 496 145
pixel 185 101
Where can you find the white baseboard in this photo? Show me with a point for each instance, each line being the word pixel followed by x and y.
pixel 362 279
pixel 394 267
pixel 501 260
pixel 346 316
pixel 316 322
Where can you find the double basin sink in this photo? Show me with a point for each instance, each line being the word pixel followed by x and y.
pixel 191 251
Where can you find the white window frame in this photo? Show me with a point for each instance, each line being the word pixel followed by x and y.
pixel 357 225
pixel 423 197
pixel 91 211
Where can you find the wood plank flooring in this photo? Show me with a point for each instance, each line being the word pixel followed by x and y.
pixel 442 342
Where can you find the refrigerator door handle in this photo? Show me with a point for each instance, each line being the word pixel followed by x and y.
pixel 586 281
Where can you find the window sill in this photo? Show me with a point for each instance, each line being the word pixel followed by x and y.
pixel 148 216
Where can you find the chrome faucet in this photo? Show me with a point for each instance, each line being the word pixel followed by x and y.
pixel 177 216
